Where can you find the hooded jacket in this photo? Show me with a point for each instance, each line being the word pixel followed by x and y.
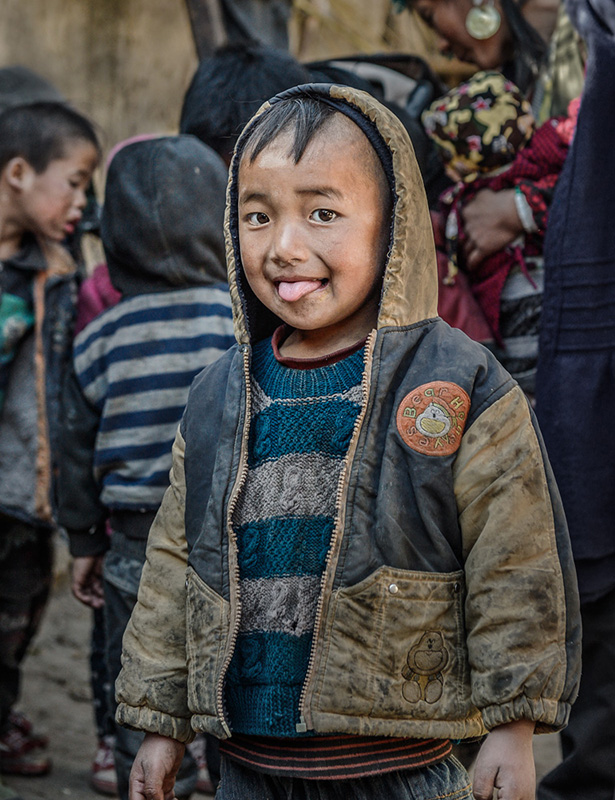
pixel 162 231
pixel 448 603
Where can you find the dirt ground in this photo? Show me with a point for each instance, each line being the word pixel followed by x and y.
pixel 56 696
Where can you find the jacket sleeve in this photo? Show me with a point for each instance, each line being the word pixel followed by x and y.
pixel 152 687
pixel 522 608
pixel 79 508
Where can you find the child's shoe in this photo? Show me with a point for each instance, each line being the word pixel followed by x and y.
pixel 197 751
pixel 21 749
pixel 19 720
pixel 104 778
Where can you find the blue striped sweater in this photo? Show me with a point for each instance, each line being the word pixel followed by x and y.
pixel 135 363
pixel 302 422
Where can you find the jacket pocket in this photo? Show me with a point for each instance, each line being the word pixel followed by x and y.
pixel 395 648
pixel 207 621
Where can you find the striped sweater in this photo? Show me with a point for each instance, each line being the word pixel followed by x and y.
pixel 135 363
pixel 303 416
pixel 302 422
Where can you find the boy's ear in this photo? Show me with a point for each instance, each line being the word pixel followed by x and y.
pixel 19 174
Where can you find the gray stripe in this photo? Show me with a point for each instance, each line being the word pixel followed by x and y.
pixel 137 437
pixel 294 485
pixel 143 497
pixel 260 400
pixel 279 605
pixel 157 399
pixel 161 364
pixel 521 347
pixel 517 284
pixel 204 294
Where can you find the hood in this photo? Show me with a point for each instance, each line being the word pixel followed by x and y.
pixel 410 286
pixel 162 221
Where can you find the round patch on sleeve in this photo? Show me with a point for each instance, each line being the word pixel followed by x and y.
pixel 431 418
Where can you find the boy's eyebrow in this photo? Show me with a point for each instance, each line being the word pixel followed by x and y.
pixel 261 196
pixel 323 191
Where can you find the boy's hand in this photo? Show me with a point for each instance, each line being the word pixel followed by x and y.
pixel 506 762
pixel 86 581
pixel 153 773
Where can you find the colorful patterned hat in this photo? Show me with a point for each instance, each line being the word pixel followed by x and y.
pixel 480 125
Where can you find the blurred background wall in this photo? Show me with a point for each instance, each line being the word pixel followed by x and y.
pixel 127 63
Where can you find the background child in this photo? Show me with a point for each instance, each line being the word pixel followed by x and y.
pixel 484 130
pixel 47 155
pixel 162 230
pixel 339 581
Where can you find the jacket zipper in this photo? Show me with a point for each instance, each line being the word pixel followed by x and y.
pixel 241 477
pixel 305 719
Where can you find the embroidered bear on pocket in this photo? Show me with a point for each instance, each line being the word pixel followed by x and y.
pixel 423 670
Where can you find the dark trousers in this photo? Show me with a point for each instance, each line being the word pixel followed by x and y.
pixel 448 779
pixel 99 679
pixel 587 771
pixel 121 573
pixel 25 579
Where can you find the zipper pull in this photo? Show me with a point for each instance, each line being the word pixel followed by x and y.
pixel 301 727
pixel 226 728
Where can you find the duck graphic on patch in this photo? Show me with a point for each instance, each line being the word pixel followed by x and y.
pixel 431 418
pixel 434 421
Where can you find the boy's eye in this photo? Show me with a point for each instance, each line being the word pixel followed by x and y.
pixel 323 215
pixel 257 218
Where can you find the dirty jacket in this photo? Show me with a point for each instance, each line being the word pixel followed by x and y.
pixel 30 415
pixel 449 563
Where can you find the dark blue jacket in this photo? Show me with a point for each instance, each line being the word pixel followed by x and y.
pixel 576 371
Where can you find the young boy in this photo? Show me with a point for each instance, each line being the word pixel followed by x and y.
pixel 47 155
pixel 162 230
pixel 361 555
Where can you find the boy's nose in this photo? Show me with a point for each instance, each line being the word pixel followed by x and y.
pixel 289 245
pixel 81 199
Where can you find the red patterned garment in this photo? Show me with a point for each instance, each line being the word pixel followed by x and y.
pixel 535 171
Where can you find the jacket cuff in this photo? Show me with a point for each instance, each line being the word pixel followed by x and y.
pixel 550 716
pixel 88 542
pixel 146 719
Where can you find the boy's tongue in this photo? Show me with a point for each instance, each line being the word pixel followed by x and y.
pixel 291 291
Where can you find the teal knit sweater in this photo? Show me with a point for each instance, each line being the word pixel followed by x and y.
pixel 302 422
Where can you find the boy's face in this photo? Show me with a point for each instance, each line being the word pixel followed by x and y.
pixel 51 202
pixel 313 235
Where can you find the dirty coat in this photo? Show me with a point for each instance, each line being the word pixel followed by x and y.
pixel 448 604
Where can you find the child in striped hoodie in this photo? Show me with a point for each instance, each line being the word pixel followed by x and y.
pixel 162 230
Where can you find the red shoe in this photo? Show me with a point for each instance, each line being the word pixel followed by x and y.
pixel 20 756
pixel 104 778
pixel 19 720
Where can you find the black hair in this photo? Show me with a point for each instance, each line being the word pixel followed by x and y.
pixel 40 132
pixel 529 48
pixel 228 88
pixel 304 115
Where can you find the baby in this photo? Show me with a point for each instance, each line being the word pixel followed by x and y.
pixel 484 131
